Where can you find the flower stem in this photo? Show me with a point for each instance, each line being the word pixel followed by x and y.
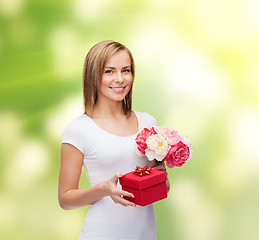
pixel 158 162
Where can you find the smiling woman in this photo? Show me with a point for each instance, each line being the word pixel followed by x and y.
pixel 103 141
pixel 98 66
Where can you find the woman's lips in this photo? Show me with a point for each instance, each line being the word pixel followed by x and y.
pixel 118 89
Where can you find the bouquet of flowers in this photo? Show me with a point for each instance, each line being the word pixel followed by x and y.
pixel 164 144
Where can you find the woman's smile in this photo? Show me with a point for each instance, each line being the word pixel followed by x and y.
pixel 118 89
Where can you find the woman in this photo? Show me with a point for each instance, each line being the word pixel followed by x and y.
pixel 103 141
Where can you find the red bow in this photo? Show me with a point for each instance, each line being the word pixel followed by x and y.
pixel 142 171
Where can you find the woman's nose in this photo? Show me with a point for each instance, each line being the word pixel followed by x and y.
pixel 119 78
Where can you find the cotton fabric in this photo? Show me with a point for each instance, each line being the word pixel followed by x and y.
pixel 104 155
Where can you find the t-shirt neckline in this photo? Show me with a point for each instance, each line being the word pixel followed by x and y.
pixel 111 134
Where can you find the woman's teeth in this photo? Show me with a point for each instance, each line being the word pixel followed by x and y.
pixel 117 89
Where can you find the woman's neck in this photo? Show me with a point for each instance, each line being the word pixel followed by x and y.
pixel 108 110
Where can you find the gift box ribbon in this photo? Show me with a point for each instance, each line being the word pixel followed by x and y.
pixel 142 171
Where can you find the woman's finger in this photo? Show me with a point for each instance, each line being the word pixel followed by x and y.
pixel 116 176
pixel 126 194
pixel 122 201
pixel 153 164
pixel 161 168
pixel 119 192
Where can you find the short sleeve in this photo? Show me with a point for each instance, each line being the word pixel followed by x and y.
pixel 146 120
pixel 153 121
pixel 73 135
pixel 150 120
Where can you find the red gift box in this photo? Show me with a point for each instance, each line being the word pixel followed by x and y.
pixel 146 189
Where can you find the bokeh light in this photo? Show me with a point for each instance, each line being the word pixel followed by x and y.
pixel 11 8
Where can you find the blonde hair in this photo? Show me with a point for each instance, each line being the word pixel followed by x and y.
pixel 94 64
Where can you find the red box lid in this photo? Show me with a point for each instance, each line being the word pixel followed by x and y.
pixel 135 181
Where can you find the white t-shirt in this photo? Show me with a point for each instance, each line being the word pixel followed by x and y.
pixel 104 155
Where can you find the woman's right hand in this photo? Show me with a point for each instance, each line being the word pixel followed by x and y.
pixel 70 196
pixel 116 194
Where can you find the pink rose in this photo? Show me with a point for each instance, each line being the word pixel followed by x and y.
pixel 171 135
pixel 177 155
pixel 142 138
pixel 142 147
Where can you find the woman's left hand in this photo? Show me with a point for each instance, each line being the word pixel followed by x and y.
pixel 160 167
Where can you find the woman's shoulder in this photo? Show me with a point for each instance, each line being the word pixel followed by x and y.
pixel 78 132
pixel 78 124
pixel 143 114
pixel 77 121
pixel 146 118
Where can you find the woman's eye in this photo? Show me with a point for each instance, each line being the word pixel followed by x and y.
pixel 108 71
pixel 126 70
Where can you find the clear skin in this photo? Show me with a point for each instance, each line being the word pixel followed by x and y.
pixel 108 114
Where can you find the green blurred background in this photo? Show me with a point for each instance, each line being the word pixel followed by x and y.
pixel 197 70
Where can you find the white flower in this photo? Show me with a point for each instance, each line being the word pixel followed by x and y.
pixel 157 147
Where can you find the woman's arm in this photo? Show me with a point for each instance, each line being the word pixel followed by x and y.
pixel 70 196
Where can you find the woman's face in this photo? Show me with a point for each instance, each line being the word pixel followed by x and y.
pixel 117 77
